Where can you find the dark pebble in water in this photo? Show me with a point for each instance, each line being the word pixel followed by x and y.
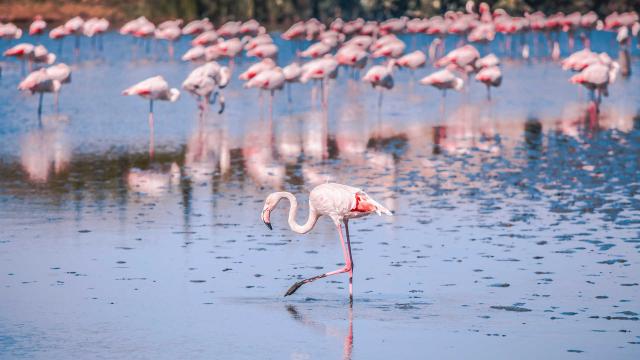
pixel 620 318
pixel 602 297
pixel 226 269
pixel 510 308
pixel 569 313
pixel 84 231
pixel 503 285
pixel 198 281
pixel 575 351
pixel 633 284
pixel 257 275
pixel 121 262
pixel 612 261
pixel 124 248
pixel 630 313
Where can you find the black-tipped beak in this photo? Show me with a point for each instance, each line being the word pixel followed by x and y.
pixel 266 219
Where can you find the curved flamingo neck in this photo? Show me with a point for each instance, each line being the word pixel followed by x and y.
pixel 293 210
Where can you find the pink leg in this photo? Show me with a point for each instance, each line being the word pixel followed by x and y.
pixel 151 131
pixel 346 268
pixel 346 228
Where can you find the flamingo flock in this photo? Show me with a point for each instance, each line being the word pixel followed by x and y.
pixel 379 49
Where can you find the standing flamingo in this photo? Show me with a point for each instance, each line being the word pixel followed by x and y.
pixel 39 82
pixel 205 80
pixel 154 88
pixel 341 203
pixel 380 76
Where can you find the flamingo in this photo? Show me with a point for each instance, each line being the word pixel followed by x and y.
pixel 38 26
pixel 316 50
pixel 443 80
pixel 341 203
pixel 74 26
pixel 320 69
pixel 264 51
pixel 170 31
pixel 269 79
pixel 251 27
pixel 60 72
pixel 412 61
pixel 597 77
pixel 353 56
pixel 380 76
pixel 196 27
pixel 10 31
pixel 205 79
pixel 153 88
pixel 490 76
pixel 292 73
pixel 95 26
pixel 255 69
pixel 39 82
pixel 208 37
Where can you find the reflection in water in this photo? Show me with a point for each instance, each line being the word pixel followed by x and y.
pixel 470 146
pixel 46 148
pixel 347 348
pixel 153 182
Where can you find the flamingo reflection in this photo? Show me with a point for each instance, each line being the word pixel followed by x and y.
pixel 46 149
pixel 347 348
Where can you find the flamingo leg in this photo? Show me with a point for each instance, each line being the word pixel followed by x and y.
pixel 40 105
pixel 346 228
pixel 346 268
pixel 221 103
pixel 151 130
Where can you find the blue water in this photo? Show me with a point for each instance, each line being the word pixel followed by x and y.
pixel 516 227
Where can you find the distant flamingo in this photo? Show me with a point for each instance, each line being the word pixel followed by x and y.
pixel 269 79
pixel 490 76
pixel 443 80
pixel 205 80
pixel 38 26
pixel 39 82
pixel 341 203
pixel 380 76
pixel 154 88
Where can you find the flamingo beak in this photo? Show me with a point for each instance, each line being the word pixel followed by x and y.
pixel 265 218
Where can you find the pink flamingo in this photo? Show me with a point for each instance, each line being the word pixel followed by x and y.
pixel 412 61
pixel 38 26
pixel 490 76
pixel 10 31
pixel 316 50
pixel 264 51
pixel 270 79
pixel 380 76
pixel 169 31
pixel 196 27
pixel 39 82
pixel 320 69
pixel 205 80
pixel 154 88
pixel 205 38
pixel 341 203
pixel 255 69
pixel 443 80
pixel 292 73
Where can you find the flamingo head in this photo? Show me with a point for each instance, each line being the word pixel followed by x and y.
pixel 269 204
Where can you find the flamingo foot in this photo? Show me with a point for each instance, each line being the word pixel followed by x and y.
pixel 294 288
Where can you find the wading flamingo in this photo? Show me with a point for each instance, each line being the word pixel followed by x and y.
pixel 153 88
pixel 341 203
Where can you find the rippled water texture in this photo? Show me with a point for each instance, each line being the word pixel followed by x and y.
pixel 516 230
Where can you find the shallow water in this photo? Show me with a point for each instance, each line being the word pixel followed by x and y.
pixel 516 231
